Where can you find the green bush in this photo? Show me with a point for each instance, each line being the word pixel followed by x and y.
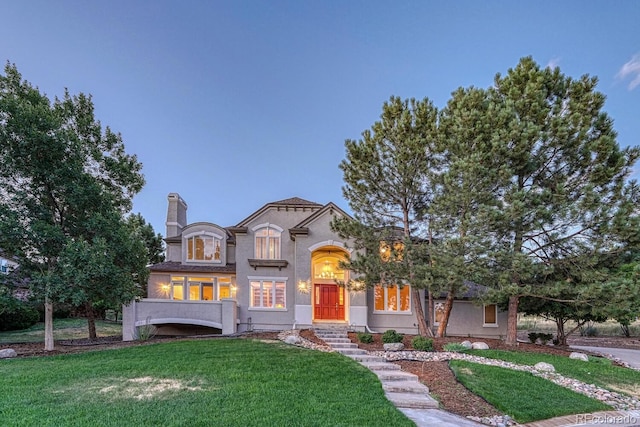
pixel 455 347
pixel 422 343
pixel 16 314
pixel 590 331
pixel 545 338
pixel 365 338
pixel 391 336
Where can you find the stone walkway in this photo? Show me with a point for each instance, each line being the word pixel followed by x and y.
pixel 403 389
pixel 411 397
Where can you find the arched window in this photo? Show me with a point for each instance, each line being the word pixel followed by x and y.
pixel 267 241
pixel 203 247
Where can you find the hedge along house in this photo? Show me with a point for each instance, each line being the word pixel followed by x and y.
pixel 276 269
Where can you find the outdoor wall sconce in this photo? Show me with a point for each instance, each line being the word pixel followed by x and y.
pixel 165 288
pixel 303 286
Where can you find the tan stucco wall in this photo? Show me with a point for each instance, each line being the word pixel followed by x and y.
pixel 467 320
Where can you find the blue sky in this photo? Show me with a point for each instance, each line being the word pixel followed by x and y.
pixel 234 104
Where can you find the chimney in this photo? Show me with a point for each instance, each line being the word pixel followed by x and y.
pixel 176 215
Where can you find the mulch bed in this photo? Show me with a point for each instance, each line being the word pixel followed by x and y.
pixel 443 386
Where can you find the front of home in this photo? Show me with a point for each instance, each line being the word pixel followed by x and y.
pixel 276 269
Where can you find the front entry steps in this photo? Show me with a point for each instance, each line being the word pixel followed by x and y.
pixel 403 389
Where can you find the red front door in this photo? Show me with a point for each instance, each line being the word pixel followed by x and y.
pixel 329 302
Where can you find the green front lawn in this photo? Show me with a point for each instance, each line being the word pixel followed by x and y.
pixel 63 329
pixel 230 382
pixel 597 371
pixel 521 395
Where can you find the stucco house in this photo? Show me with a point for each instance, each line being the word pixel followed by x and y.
pixel 276 269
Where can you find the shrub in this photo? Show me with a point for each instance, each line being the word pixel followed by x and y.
pixel 533 337
pixel 365 338
pixel 391 336
pixel 545 338
pixel 455 347
pixel 422 343
pixel 16 314
pixel 590 331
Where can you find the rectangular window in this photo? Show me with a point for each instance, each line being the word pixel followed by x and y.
pixel 207 292
pixel 195 288
pixel 392 298
pixel 268 293
pixel 178 291
pixel 491 315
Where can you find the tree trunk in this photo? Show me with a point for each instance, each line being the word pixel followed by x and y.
pixel 422 324
pixel 91 321
pixel 430 316
pixel 49 344
pixel 560 335
pixel 512 321
pixel 448 306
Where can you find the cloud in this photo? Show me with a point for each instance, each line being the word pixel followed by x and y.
pixel 553 63
pixel 631 69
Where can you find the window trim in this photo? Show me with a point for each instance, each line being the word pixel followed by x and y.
pixel 267 226
pixel 217 240
pixel 187 282
pixel 385 299
pixel 273 280
pixel 484 316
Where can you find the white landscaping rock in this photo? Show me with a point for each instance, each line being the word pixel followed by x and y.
pixel 480 346
pixel 293 340
pixel 466 344
pixel 544 367
pixel 579 356
pixel 393 346
pixel 7 353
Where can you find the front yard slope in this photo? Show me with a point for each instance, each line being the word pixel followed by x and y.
pixel 230 382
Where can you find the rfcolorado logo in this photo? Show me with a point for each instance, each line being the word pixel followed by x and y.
pixel 607 419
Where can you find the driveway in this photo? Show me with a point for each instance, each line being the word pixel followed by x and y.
pixel 632 357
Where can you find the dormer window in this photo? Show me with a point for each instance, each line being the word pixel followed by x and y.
pixel 204 247
pixel 267 241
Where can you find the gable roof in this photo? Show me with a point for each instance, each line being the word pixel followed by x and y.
pixel 293 202
pixel 328 207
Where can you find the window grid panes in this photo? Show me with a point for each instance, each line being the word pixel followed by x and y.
pixel 201 288
pixel 392 298
pixel 268 294
pixel 267 243
pixel 203 248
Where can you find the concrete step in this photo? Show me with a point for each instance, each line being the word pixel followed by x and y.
pixel 332 335
pixel 350 351
pixel 395 376
pixel 415 401
pixel 380 366
pixel 332 340
pixel 337 345
pixel 412 387
pixel 367 358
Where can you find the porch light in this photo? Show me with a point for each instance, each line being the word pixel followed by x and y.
pixel 165 288
pixel 303 286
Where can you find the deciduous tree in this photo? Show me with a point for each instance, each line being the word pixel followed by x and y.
pixel 59 172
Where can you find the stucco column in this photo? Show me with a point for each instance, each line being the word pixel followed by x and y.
pixel 229 316
pixel 129 321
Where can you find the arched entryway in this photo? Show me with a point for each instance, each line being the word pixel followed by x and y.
pixel 330 301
